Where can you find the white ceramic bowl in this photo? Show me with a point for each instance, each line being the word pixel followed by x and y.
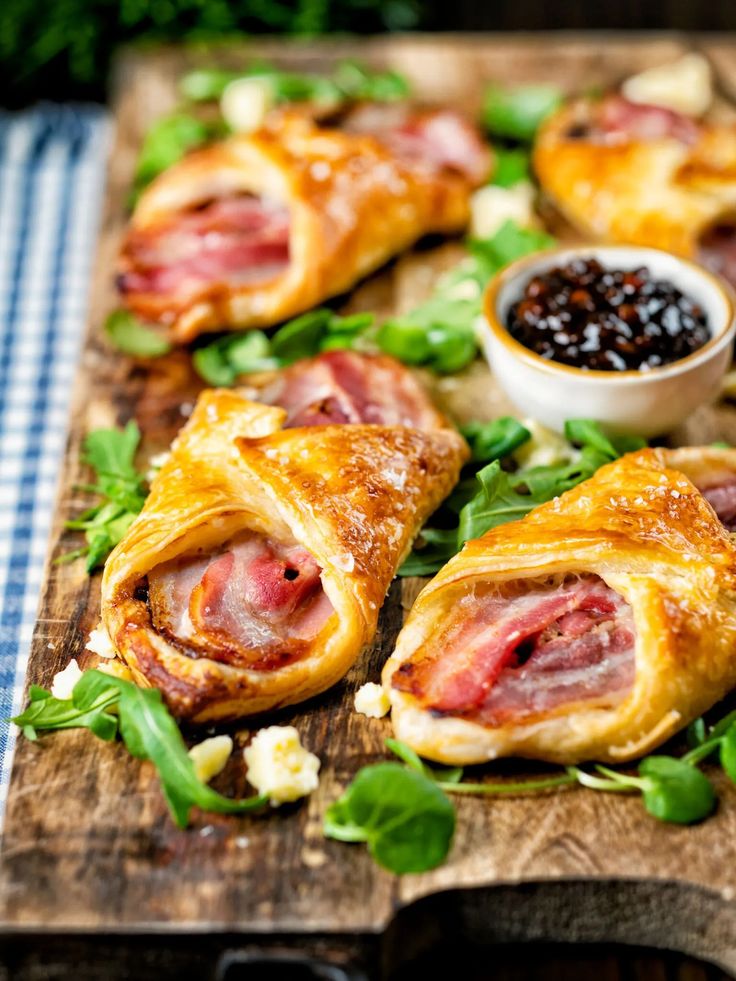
pixel 643 403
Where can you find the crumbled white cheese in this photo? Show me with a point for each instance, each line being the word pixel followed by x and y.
pixel 685 86
pixel 99 642
pixel 493 206
pixel 64 681
pixel 278 765
pixel 246 102
pixel 372 700
pixel 210 756
pixel 545 449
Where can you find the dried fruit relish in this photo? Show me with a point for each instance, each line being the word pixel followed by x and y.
pixel 589 317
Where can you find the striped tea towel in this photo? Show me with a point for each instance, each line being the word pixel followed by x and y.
pixel 52 167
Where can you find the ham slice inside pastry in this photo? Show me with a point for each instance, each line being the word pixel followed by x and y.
pixel 238 239
pixel 722 498
pixel 347 387
pixel 256 602
pixel 528 649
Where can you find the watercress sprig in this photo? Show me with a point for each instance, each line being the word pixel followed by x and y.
pixel 109 706
pixel 121 487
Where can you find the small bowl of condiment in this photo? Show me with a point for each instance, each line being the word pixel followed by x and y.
pixel 634 338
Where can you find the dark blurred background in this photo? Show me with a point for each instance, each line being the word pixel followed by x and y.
pixel 61 49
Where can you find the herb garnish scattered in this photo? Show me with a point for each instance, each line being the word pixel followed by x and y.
pixel 408 821
pixel 439 333
pixel 223 361
pixel 128 334
pixel 166 142
pixel 489 495
pixel 517 113
pixel 349 82
pixel 109 706
pixel 405 819
pixel 111 454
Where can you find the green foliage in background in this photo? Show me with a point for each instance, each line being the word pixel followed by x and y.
pixel 64 49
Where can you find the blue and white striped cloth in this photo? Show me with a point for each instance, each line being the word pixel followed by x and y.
pixel 52 168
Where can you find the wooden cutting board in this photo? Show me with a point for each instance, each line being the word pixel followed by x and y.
pixel 94 872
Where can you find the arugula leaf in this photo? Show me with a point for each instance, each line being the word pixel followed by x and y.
pixel 147 729
pixel 223 361
pixel 44 712
pixel 511 166
pixel 358 83
pixel 404 818
pixel 496 496
pixel 131 336
pixel 111 454
pixel 166 142
pixel 350 81
pixel 496 439
pixel 440 333
pixel 518 112
pixel 206 84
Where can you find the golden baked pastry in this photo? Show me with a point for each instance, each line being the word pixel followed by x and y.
pixel 595 628
pixel 257 228
pixel 255 573
pixel 621 172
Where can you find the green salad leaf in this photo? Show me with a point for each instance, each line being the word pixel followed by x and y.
pixel 402 815
pixel 44 713
pixel 129 335
pixel 517 113
pixel 166 142
pixel 350 81
pixel 147 729
pixel 511 166
pixel 223 361
pixel 441 332
pixel 122 489
pixel 490 495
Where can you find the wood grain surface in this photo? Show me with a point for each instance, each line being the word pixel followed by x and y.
pixel 90 853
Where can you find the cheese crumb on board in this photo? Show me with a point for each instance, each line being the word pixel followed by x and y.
pixel 492 206
pixel 210 756
pixel 684 86
pixel 99 642
pixel 246 102
pixel 64 681
pixel 279 767
pixel 545 449
pixel 372 700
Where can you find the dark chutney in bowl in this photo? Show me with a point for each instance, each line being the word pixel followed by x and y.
pixel 586 316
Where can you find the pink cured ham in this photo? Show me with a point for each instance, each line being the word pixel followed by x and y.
pixel 617 117
pixel 439 138
pixel 529 652
pixel 346 387
pixel 256 602
pixel 238 240
pixel 722 498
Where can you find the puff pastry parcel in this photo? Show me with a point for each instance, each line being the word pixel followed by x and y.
pixel 593 629
pixel 255 229
pixel 255 573
pixel 642 174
